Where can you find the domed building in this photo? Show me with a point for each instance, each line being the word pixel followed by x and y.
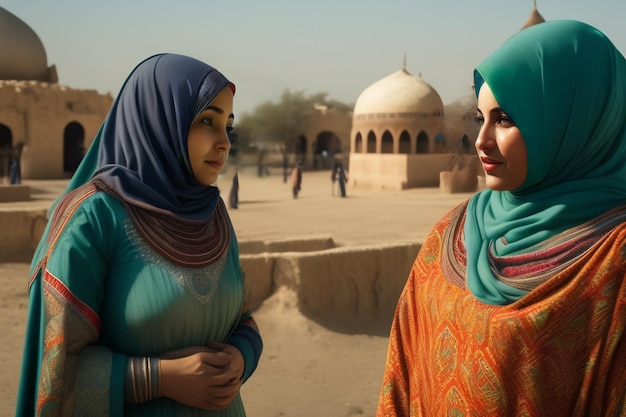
pixel 400 113
pixel 22 56
pixel 399 137
pixel 403 136
pixel 44 124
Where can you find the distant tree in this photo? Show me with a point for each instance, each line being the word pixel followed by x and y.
pixel 243 134
pixel 283 122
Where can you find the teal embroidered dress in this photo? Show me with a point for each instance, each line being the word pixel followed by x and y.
pixel 108 295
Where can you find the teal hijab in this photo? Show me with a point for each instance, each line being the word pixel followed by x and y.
pixel 564 85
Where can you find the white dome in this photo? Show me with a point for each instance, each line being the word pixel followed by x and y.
pixel 22 55
pixel 399 92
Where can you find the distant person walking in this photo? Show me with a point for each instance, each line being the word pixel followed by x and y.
pixel 15 169
pixel 339 175
pixel 233 198
pixel 296 180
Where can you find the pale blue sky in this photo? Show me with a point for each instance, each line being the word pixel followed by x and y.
pixel 266 46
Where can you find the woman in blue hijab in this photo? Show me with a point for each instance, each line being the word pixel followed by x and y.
pixel 136 294
pixel 516 303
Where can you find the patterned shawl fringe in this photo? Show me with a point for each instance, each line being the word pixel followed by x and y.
pixel 528 271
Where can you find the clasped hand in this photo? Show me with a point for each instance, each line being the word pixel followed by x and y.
pixel 207 377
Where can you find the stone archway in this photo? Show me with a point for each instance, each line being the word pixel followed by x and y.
pixel 358 143
pixel 327 145
pixel 405 143
pixel 73 146
pixel 6 149
pixel 386 145
pixel 422 143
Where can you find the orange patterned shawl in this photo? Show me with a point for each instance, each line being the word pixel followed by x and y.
pixel 559 351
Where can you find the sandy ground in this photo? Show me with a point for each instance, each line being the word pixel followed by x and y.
pixel 306 370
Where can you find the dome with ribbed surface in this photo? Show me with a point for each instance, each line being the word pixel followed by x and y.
pixel 399 92
pixel 22 54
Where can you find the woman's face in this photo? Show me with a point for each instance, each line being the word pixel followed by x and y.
pixel 207 141
pixel 499 145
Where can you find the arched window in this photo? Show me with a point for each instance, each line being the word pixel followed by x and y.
pixel 387 143
pixel 405 143
pixel 371 142
pixel 358 143
pixel 422 143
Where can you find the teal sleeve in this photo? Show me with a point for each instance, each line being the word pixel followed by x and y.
pixel 247 339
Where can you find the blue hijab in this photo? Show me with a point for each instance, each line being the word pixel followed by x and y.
pixel 564 84
pixel 140 151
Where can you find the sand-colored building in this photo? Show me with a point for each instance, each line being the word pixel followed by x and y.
pixel 398 115
pixel 51 124
pixel 401 136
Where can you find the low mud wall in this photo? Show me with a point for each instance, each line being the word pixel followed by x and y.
pixel 309 244
pixel 16 192
pixel 348 289
pixel 20 231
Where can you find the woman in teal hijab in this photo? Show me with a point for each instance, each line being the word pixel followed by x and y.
pixel 568 100
pixel 516 302
pixel 136 294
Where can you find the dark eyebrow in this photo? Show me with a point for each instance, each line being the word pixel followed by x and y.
pixel 495 110
pixel 219 110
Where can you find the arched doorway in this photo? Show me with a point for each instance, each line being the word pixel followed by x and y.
pixel 300 149
pixel 73 146
pixel 6 149
pixel 327 144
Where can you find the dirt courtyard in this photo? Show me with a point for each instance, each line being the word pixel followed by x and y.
pixel 306 370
